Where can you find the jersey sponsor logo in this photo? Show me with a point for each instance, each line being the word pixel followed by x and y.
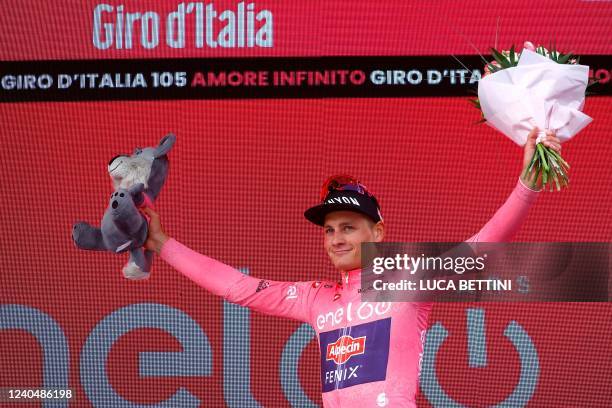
pixel 338 375
pixel 291 292
pixel 344 348
pixel 423 332
pixel 382 400
pixel 360 311
pixel 345 359
pixel 262 285
pixel 343 200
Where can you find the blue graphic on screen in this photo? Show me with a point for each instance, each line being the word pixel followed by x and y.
pixel 354 355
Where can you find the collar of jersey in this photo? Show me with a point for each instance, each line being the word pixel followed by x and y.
pixel 351 278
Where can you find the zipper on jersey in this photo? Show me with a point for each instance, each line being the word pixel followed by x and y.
pixel 346 331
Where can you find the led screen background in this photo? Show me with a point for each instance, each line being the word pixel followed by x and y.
pixel 241 174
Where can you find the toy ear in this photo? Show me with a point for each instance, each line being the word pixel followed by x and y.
pixel 165 145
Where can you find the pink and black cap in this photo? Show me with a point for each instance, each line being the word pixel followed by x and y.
pixel 344 193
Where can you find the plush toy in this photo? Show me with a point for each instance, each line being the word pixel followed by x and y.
pixel 137 180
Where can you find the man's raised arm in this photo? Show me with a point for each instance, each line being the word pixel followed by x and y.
pixel 292 300
pixel 509 217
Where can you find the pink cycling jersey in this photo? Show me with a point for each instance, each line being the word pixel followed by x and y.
pixel 370 352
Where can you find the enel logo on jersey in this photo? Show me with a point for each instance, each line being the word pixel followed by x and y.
pixel 344 348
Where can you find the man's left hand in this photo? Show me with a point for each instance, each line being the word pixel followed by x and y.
pixel 551 141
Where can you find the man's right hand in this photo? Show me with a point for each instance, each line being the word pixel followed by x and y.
pixel 157 237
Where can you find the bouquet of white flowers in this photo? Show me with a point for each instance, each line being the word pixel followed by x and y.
pixel 535 88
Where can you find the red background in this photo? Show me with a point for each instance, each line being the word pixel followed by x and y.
pixel 242 172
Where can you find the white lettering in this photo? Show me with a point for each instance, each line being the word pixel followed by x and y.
pixel 241 26
pixel 377 265
pixel 335 376
pixel 365 310
pixel 291 292
pixel 175 27
pixel 129 28
pixel 263 38
pixel 434 77
pixel 149 38
pixel 64 81
pixel 345 200
pixel 10 82
pixel 98 42
pixel 415 77
pixel 226 35
pixel 436 284
pixel 351 348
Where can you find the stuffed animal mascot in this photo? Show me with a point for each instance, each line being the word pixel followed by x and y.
pixel 137 180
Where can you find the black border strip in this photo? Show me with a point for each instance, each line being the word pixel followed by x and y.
pixel 449 85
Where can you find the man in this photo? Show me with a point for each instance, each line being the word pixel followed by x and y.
pixel 370 352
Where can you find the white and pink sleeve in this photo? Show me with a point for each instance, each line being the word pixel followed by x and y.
pixel 292 300
pixel 509 217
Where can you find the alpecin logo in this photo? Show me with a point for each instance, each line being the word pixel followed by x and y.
pixel 344 348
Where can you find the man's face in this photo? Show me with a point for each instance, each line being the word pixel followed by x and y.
pixel 344 232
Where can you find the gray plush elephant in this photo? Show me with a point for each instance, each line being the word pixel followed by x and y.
pixel 137 179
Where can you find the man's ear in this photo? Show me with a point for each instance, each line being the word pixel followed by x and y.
pixel 379 231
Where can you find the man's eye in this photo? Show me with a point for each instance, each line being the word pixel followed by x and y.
pixel 329 231
pixel 348 228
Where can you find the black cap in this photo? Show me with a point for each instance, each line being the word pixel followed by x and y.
pixel 344 200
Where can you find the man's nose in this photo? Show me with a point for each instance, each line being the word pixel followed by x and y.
pixel 337 239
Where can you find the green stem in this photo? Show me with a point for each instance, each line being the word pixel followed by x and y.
pixel 540 150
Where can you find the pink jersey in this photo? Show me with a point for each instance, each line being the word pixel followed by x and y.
pixel 370 352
